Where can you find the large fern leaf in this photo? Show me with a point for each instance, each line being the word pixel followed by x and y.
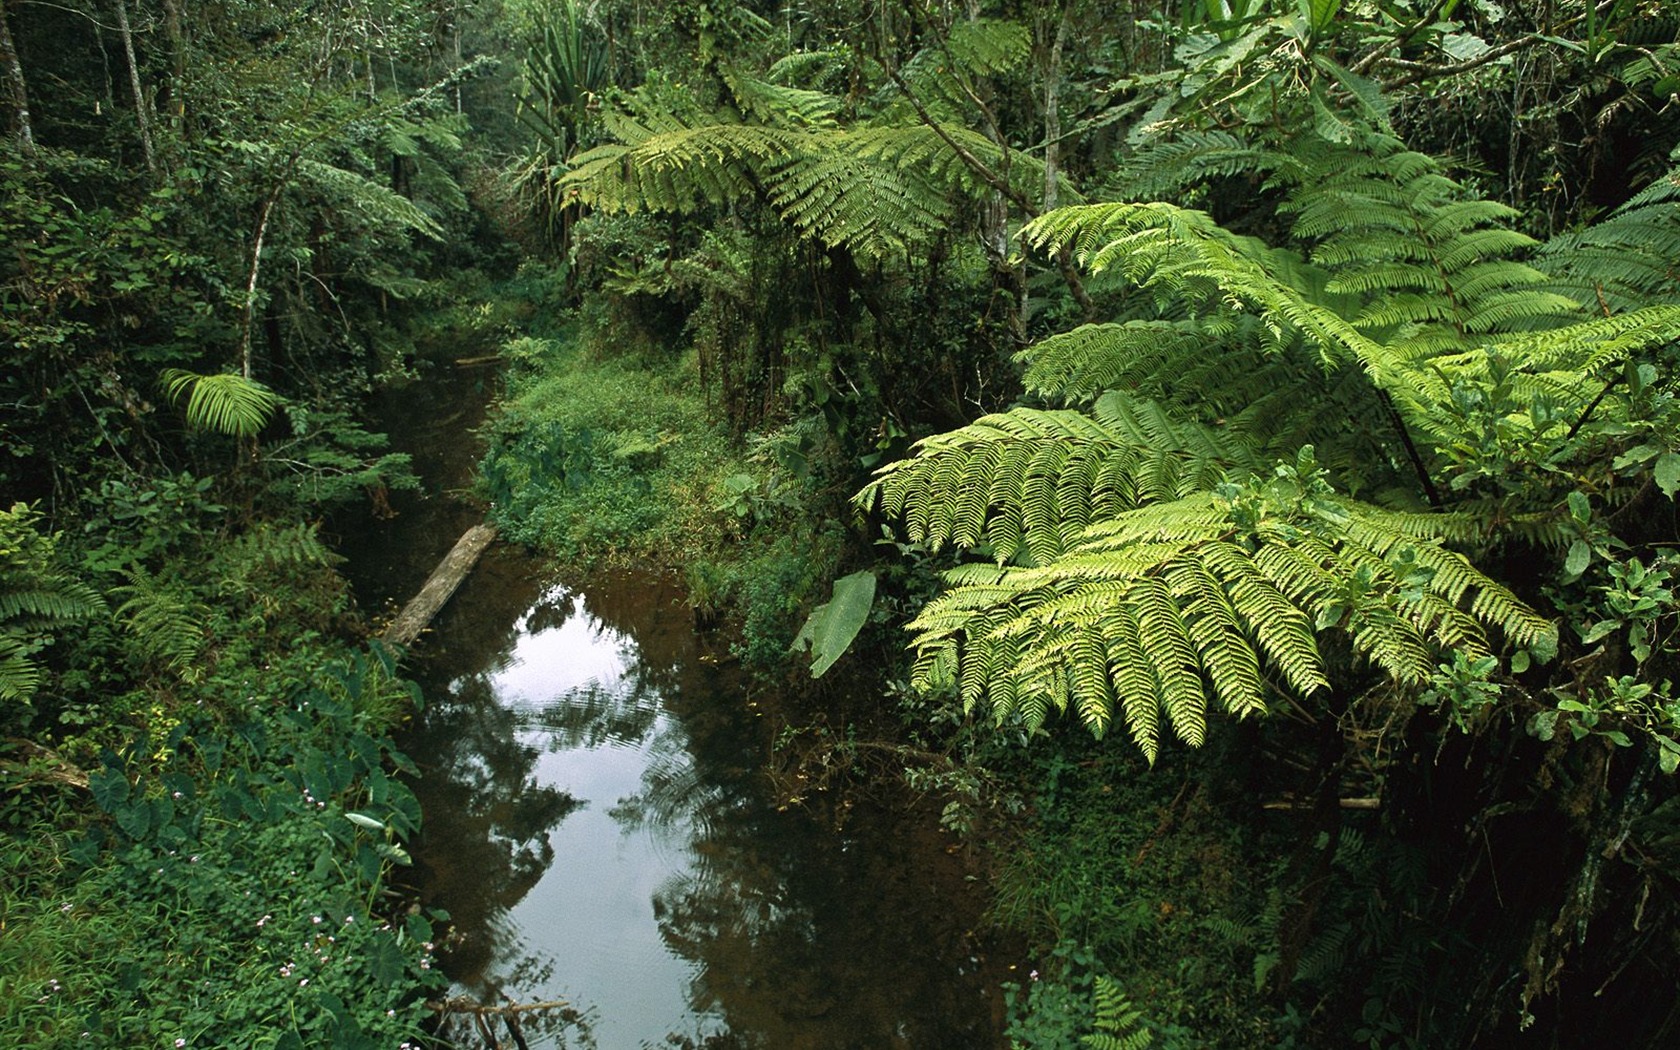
pixel 1020 481
pixel 1219 604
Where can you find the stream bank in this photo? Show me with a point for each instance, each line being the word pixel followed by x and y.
pixel 598 822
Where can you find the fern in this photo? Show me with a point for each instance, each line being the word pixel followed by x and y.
pixel 38 597
pixel 367 199
pixel 1629 259
pixel 1212 592
pixel 1015 480
pixel 1119 1024
pixel 165 621
pixel 872 189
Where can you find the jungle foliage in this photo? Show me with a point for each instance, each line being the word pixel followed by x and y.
pixel 1259 370
pixel 220 221
pixel 1290 380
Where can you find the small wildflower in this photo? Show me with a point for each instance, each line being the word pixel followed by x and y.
pixel 180 1042
pixel 303 982
pixel 316 919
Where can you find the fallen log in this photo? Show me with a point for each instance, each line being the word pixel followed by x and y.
pixel 440 586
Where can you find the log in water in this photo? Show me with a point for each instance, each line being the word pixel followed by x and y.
pixel 440 586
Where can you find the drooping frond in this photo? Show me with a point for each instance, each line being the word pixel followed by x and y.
pixel 1021 482
pixel 987 47
pixel 37 598
pixel 365 198
pixel 1221 597
pixel 1626 261
pixel 871 189
pixel 1164 170
pixel 224 403
pixel 808 68
pixel 166 622
pixel 779 105
pixel 1184 252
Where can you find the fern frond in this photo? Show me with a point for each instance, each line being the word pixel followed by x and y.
pixel 987 47
pixel 1626 261
pixel 224 403
pixel 366 198
pixel 20 676
pixel 1160 608
pixel 781 106
pixel 165 621
pixel 1119 1025
pixel 1022 477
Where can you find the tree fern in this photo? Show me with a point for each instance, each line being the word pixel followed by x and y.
pixel 1628 260
pixel 166 622
pixel 871 189
pixel 1014 479
pixel 1218 594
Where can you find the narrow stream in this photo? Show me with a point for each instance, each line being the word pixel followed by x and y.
pixel 599 829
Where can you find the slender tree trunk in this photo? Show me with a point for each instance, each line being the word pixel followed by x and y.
pixel 1053 109
pixel 251 279
pixel 142 112
pixel 177 62
pixel 12 70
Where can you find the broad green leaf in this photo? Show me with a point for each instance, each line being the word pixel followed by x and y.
pixel 362 820
pixel 1319 13
pixel 1579 508
pixel 1668 473
pixel 1580 556
pixel 832 626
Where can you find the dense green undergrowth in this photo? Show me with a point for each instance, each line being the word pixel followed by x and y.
pixel 606 450
pixel 200 807
pixel 230 886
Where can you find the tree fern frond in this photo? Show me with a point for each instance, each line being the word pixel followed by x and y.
pixel 1041 469
pixel 782 106
pixel 20 675
pixel 988 47
pixel 1628 260
pixel 365 198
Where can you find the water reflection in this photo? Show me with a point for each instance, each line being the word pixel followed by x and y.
pixel 598 829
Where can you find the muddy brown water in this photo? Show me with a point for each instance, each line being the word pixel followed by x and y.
pixel 598 825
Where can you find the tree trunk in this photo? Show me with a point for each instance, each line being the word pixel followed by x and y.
pixel 12 70
pixel 142 112
pixel 177 62
pixel 1053 110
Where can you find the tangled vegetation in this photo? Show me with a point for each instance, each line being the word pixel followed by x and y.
pixel 1260 415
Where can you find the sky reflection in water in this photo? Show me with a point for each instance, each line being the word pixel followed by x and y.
pixel 598 830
